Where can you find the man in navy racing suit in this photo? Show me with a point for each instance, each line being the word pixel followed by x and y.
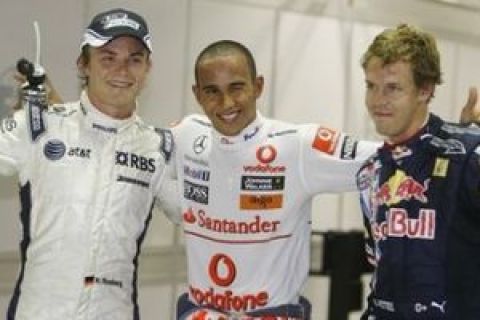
pixel 420 193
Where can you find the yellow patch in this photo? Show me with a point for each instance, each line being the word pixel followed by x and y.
pixel 441 167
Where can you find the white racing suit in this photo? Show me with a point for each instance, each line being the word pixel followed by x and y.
pixel 247 207
pixel 88 184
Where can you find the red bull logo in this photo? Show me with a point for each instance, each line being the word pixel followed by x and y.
pixel 398 224
pixel 401 187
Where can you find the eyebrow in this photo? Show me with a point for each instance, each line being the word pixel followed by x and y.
pixel 140 52
pixel 209 86
pixel 238 82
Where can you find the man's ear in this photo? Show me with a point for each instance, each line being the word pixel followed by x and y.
pixel 195 91
pixel 258 86
pixel 426 92
pixel 82 66
pixel 149 64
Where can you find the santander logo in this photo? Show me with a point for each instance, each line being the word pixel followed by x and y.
pixel 254 225
pixel 189 217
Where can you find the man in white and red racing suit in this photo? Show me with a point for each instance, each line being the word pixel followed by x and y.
pixel 247 207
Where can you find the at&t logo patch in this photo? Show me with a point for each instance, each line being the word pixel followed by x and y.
pixel 54 149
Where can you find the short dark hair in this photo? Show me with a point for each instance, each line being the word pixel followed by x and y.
pixel 226 47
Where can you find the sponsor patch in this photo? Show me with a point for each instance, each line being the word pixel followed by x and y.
pixel 167 145
pixel 281 133
pixel 227 300
pixel 195 192
pixel 54 149
pixel 92 280
pixel 259 168
pixel 325 140
pixel 398 224
pixel 103 128
pixel 247 136
pixel 117 20
pixel 8 124
pixel 198 174
pixel 200 144
pixel 37 125
pixel 261 202
pixel 141 183
pixel 255 224
pixel 79 152
pixel 441 167
pixel 450 146
pixel 400 152
pixel 263 183
pixel 349 148
pixel 400 187
pixel 266 154
pixel 133 160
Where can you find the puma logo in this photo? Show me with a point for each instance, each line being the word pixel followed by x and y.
pixel 440 306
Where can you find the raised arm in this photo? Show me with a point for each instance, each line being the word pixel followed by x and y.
pixel 471 111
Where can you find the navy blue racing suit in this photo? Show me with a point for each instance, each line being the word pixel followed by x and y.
pixel 421 205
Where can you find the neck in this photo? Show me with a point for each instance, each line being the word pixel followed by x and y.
pixel 411 132
pixel 114 111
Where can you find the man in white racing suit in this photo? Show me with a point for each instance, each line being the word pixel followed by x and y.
pixel 248 184
pixel 89 172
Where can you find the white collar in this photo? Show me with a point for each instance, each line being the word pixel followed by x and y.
pixel 100 120
pixel 247 135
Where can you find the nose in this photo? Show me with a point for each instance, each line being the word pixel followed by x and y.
pixel 228 101
pixel 377 98
pixel 122 66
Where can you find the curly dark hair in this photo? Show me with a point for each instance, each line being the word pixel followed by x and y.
pixel 409 44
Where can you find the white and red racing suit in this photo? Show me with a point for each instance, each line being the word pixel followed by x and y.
pixel 247 204
pixel 88 183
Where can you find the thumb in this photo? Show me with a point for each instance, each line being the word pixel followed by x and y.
pixel 472 98
pixel 469 112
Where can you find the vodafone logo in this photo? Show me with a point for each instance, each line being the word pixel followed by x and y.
pixel 266 154
pixel 222 270
pixel 325 140
pixel 325 134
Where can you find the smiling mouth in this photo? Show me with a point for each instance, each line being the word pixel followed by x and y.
pixel 120 84
pixel 382 114
pixel 229 117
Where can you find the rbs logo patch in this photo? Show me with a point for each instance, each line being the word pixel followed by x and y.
pixel 132 160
